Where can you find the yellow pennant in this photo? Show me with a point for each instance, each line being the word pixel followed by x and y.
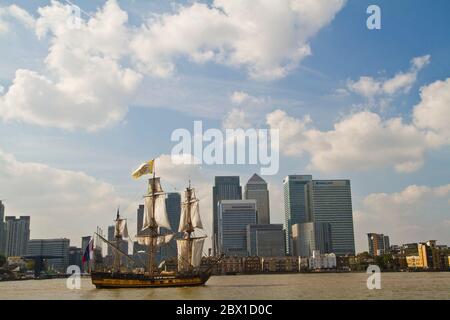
pixel 145 168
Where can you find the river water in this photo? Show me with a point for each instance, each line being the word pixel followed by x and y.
pixel 285 286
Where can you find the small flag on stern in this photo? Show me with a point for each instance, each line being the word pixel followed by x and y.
pixel 145 168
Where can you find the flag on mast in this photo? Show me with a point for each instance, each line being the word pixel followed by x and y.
pixel 88 252
pixel 145 168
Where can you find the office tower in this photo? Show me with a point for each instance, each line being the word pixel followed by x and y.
pixel 256 189
pixel 17 235
pixel 2 229
pixel 225 188
pixel 311 236
pixel 173 208
pixel 46 248
pixel 234 216
pixel 378 244
pixel 297 204
pixel 111 230
pixel 265 240
pixel 75 256
pixel 332 203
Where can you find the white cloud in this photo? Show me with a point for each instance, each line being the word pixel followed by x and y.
pixel 361 141
pixel 365 86
pixel 17 13
pixel 235 119
pixel 268 44
pixel 84 86
pixel 61 203
pixel 292 139
pixel 417 213
pixel 433 110
pixel 364 140
pixel 370 87
pixel 242 98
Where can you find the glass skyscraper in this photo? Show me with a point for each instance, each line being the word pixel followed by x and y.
pixel 265 240
pixel 17 235
pixel 311 236
pixel 51 247
pixel 234 217
pixel 225 188
pixel 332 203
pixel 256 189
pixel 297 204
pixel 321 201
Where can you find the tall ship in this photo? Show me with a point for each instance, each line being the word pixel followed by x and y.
pixel 189 272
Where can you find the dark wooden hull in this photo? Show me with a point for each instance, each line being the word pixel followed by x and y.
pixel 132 280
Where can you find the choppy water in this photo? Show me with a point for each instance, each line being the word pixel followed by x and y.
pixel 286 286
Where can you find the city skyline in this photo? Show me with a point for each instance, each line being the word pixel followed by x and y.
pixel 174 211
pixel 112 96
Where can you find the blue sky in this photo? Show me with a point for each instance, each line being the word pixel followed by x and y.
pixel 319 85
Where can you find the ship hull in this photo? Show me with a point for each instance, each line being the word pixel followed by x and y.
pixel 130 280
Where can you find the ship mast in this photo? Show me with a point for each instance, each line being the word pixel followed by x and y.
pixel 153 228
pixel 189 247
pixel 118 237
pixel 190 227
pixel 119 233
pixel 155 215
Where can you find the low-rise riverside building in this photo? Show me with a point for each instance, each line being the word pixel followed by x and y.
pixel 322 261
pixel 281 264
pixel 252 264
pixel 414 262
pixel 231 265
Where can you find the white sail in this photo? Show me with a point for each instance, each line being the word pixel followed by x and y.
pixel 121 229
pixel 183 248
pixel 194 209
pixel 157 241
pixel 197 251
pixel 161 217
pixel 190 253
pixel 184 218
pixel 195 215
pixel 158 217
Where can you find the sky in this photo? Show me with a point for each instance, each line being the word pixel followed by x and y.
pixel 84 102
